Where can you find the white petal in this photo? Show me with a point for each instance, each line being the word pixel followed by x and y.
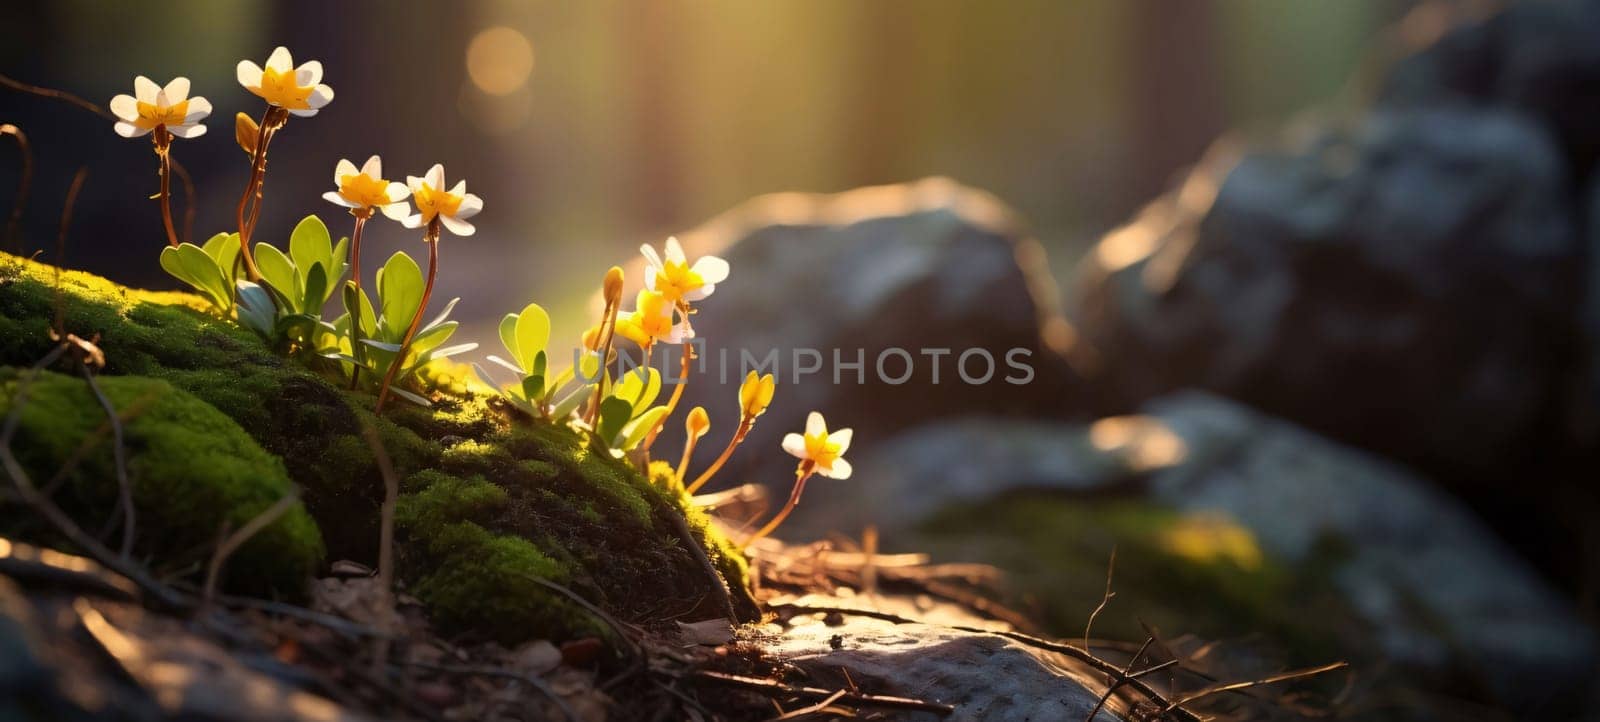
pixel 249 74
pixel 199 109
pixel 342 169
pixel 651 258
pixel 373 168
pixel 187 131
pixel 280 60
pixel 129 130
pixel 842 438
pixel 795 444
pixel 456 225
pixel 460 188
pixel 320 96
pixel 414 183
pixel 434 177
pixel 125 107
pixel 699 294
pixel 338 200
pixel 397 212
pixel 145 90
pixel 177 91
pixel 308 74
pixel 815 426
pixel 470 206
pixel 397 192
pixel 712 270
pixel 839 470
pixel 303 113
pixel 674 251
pixel 412 221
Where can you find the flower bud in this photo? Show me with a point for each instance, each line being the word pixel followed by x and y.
pixel 755 394
pixel 245 132
pixel 697 423
pixel 613 285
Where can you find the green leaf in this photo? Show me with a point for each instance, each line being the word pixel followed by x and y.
pixel 309 245
pixel 316 290
pixel 341 263
pixel 399 295
pixel 640 427
pixel 429 338
pixel 192 265
pixel 614 415
pixel 277 270
pixel 532 333
pixel 224 249
pixel 508 334
pixel 639 387
pixel 413 398
pixel 532 387
pixel 571 402
pixel 256 310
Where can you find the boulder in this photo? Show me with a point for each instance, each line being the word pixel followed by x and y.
pixel 1409 285
pixel 924 265
pixel 1251 517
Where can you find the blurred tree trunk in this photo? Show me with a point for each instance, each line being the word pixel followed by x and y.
pixel 1176 95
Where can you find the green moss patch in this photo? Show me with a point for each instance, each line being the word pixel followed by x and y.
pixel 1181 573
pixel 489 499
pixel 194 472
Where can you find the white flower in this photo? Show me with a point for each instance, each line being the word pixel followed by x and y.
pixel 297 90
pixel 821 449
pixel 676 279
pixel 152 106
pixel 452 207
pixel 365 189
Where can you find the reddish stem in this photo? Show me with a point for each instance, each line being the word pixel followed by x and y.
pixel 432 239
pixel 163 142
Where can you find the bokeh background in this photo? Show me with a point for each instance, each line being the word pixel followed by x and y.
pixel 591 127
pixel 1332 382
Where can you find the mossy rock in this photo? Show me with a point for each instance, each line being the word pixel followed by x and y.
pixel 193 472
pixel 489 497
pixel 1181 573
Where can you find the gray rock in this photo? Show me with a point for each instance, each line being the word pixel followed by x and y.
pixel 1439 589
pixel 929 264
pixel 1538 58
pixel 1408 285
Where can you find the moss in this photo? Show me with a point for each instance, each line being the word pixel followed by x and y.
pixel 193 471
pixel 1182 573
pixel 489 497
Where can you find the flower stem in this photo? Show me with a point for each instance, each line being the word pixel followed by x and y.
pixel 432 239
pixel 677 393
pixel 800 476
pixel 271 120
pixel 356 348
pixel 688 450
pixel 162 138
pixel 609 319
pixel 733 443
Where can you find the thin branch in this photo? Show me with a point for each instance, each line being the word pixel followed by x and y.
pixel 237 539
pixel 391 495
pixel 119 455
pixel 1105 599
pixel 639 655
pixel 20 200
pixel 1178 702
pixel 774 688
pixel 719 586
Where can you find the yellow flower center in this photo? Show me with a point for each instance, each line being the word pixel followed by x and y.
pixel 431 202
pixel 821 451
pixel 280 89
pixel 364 190
pixel 151 115
pixel 675 279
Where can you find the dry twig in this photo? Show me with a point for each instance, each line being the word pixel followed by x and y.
pixel 775 688
pixel 237 539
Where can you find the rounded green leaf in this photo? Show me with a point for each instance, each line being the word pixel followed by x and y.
pixel 399 295
pixel 278 271
pixel 533 332
pixel 310 244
